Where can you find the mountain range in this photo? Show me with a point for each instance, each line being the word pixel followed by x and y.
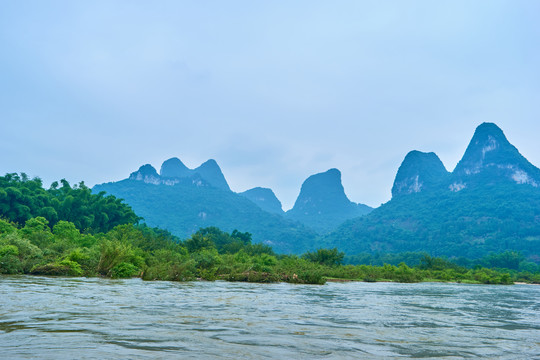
pixel 183 200
pixel 489 202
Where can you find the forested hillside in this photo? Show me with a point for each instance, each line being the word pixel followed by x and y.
pixel 489 203
pixel 22 198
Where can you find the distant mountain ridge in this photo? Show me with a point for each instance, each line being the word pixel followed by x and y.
pixel 190 203
pixel 265 199
pixel 489 159
pixel 490 202
pixel 322 203
pixel 208 174
pixel 182 200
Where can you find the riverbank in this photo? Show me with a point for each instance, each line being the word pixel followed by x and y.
pixel 129 251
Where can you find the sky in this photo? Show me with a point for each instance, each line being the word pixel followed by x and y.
pixel 274 91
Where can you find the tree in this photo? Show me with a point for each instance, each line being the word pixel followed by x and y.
pixel 329 257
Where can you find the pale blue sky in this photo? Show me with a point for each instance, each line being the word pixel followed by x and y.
pixel 275 91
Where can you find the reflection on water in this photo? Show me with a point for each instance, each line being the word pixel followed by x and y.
pixel 51 318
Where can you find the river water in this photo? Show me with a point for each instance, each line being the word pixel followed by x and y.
pixel 79 318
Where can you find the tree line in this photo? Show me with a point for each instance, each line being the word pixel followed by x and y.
pixel 68 231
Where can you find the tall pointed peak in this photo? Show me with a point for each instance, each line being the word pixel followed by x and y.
pixel 330 178
pixel 491 158
pixel 419 171
pixel 321 191
pixel 487 129
pixel 487 146
pixel 322 203
pixel 210 163
pixel 211 172
pixel 174 168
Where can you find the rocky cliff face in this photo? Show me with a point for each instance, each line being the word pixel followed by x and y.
pixel 146 173
pixel 174 171
pixel 489 203
pixel 491 159
pixel 418 172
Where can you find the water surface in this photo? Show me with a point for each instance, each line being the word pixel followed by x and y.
pixel 79 318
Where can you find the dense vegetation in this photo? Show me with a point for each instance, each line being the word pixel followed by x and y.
pixel 470 223
pixel 511 260
pixel 139 251
pixel 22 198
pixel 69 231
pixel 187 206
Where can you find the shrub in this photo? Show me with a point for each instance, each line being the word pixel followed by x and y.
pixel 124 270
pixel 112 254
pixel 329 257
pixel 171 271
pixel 63 268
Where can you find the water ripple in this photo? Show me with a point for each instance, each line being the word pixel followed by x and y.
pixel 53 318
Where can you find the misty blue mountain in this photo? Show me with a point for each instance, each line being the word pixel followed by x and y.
pixel 490 202
pixel 182 201
pixel 265 199
pixel 418 172
pixel 173 169
pixel 322 203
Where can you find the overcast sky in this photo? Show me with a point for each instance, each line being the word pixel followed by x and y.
pixel 274 91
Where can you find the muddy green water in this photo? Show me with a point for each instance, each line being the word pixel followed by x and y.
pixel 78 318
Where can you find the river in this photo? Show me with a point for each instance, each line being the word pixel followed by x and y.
pixel 92 318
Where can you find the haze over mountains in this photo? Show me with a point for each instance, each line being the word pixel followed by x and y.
pixel 183 200
pixel 490 202
pixel 322 203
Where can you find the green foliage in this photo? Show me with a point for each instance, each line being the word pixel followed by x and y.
pixel 22 199
pixel 329 257
pixel 471 223
pixel 405 274
pixel 7 227
pixel 124 270
pixel 87 258
pixel 429 263
pixel 506 260
pixel 199 242
pixel 127 251
pixel 207 261
pixel 28 254
pixel 112 254
pixel 171 271
pixel 37 231
pixel 187 206
pixel 62 268
pixel 9 250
